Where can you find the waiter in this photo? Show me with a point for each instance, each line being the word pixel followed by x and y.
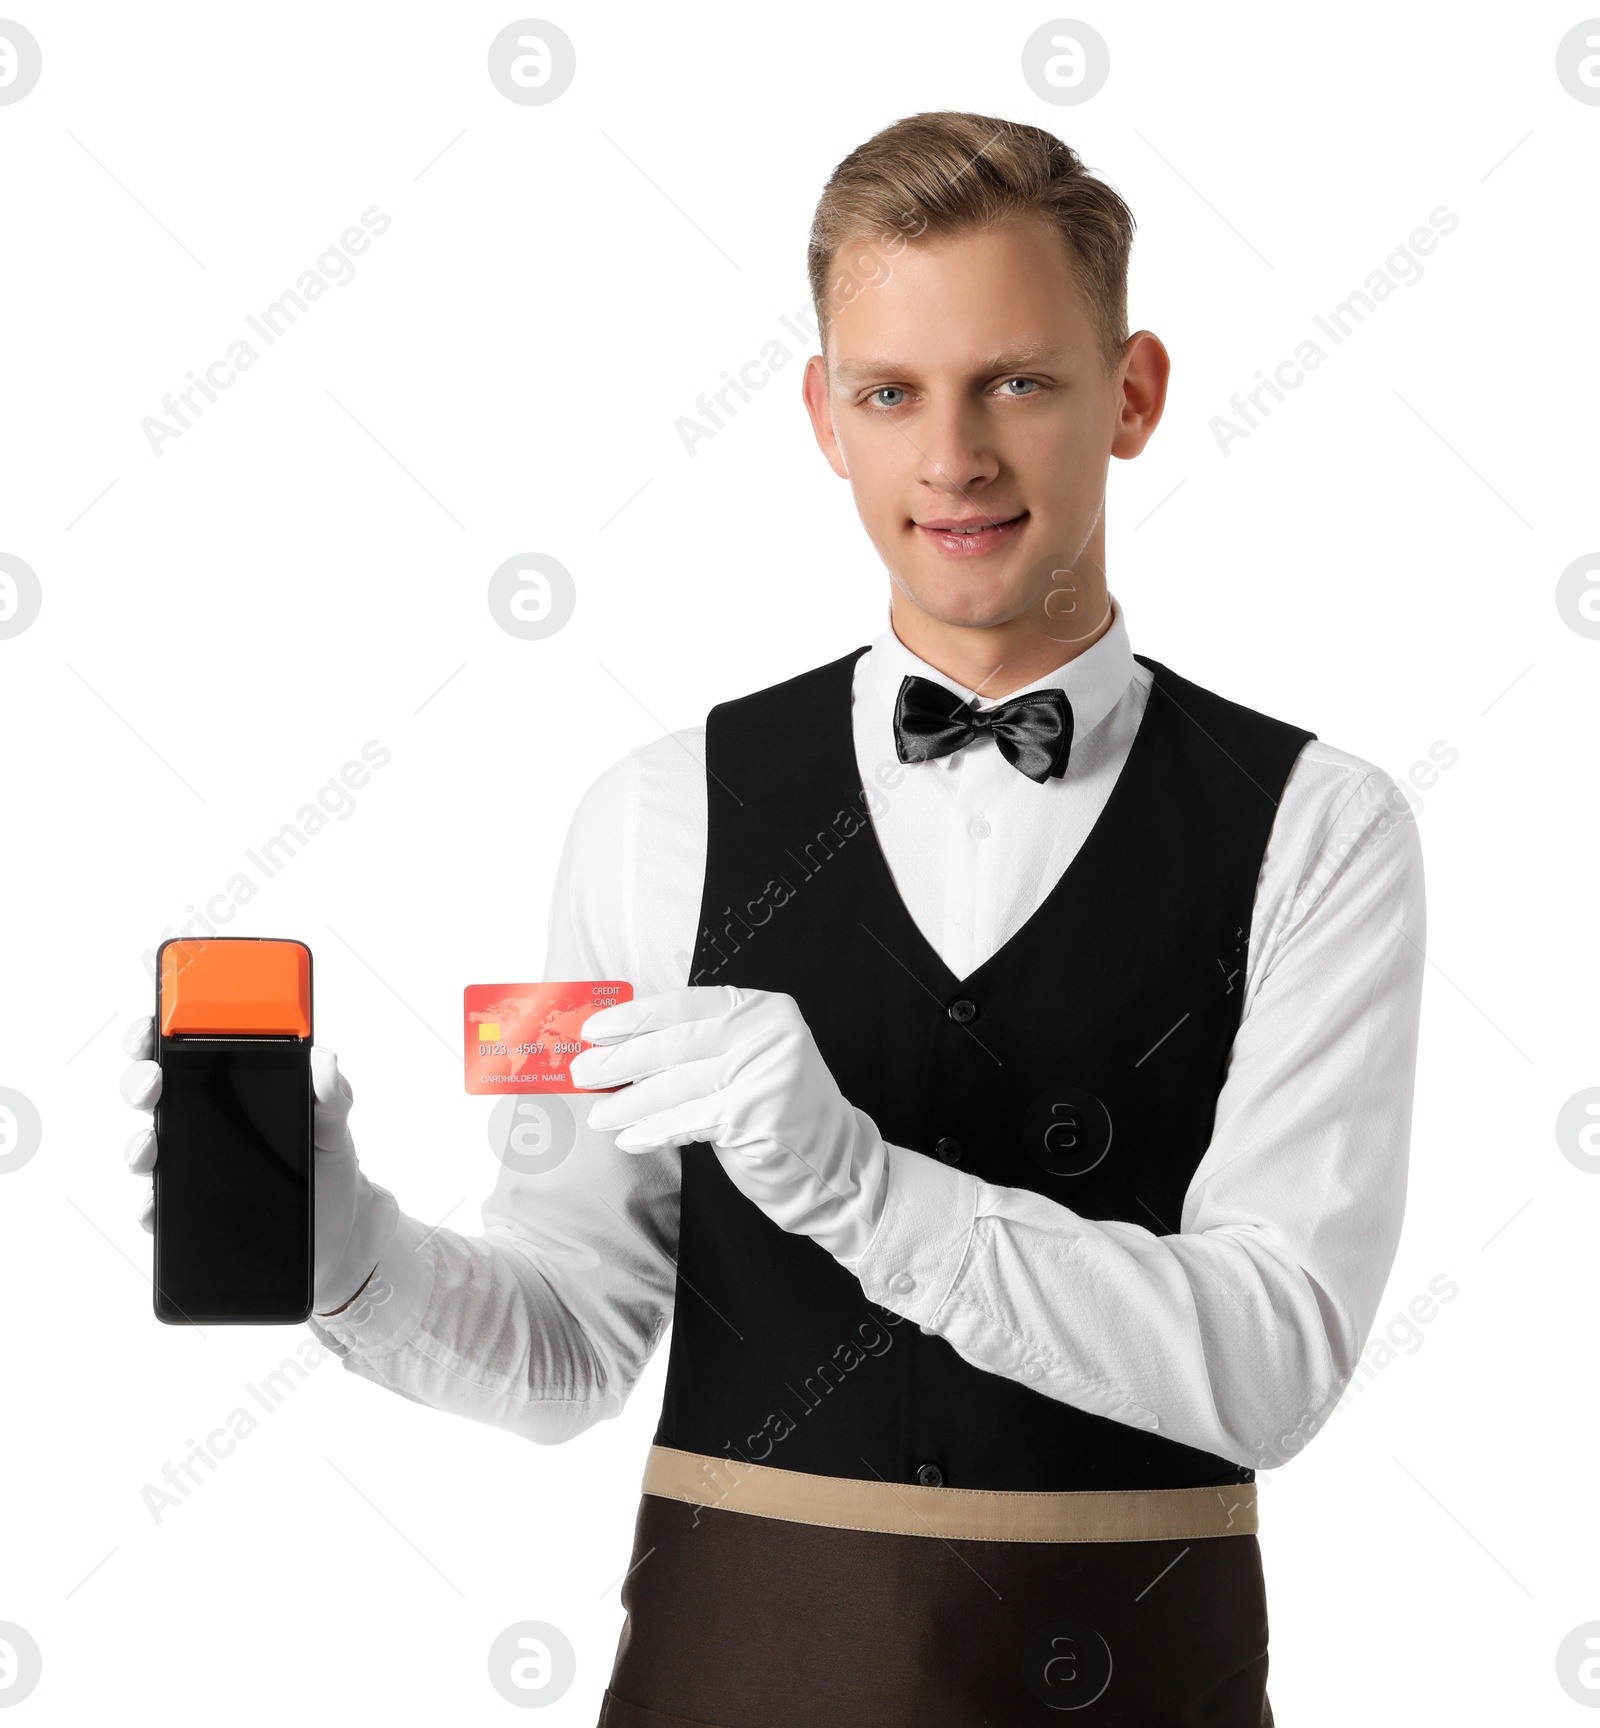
pixel 1013 1113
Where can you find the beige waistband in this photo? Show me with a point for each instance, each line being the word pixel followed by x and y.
pixel 976 1514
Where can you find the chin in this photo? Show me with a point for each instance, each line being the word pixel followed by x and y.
pixel 970 599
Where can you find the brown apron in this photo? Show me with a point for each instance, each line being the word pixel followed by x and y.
pixel 763 1598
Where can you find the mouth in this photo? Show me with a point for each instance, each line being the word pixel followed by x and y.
pixel 970 536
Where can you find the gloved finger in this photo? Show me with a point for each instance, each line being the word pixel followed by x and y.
pixel 653 1052
pixel 140 1084
pixel 664 1008
pixel 329 1085
pixel 139 1037
pixel 147 1208
pixel 699 1119
pixel 333 1096
pixel 675 1089
pixel 140 1152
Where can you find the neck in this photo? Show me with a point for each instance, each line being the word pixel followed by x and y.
pixel 992 660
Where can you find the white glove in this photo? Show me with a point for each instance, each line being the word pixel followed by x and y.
pixel 354 1217
pixel 740 1069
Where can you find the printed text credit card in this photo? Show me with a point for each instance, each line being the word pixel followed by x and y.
pixel 521 1038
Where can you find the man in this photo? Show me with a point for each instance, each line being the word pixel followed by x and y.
pixel 1013 1111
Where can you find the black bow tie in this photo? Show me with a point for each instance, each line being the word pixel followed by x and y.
pixel 1033 731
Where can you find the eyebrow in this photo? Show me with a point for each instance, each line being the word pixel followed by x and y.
pixel 1013 359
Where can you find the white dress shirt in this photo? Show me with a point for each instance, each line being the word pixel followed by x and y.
pixel 1232 1329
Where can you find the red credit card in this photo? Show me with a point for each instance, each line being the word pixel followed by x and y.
pixel 521 1038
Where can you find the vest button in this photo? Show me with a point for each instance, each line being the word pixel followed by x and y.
pixel 963 1012
pixel 947 1149
pixel 930 1475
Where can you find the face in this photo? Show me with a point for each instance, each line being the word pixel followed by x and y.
pixel 966 400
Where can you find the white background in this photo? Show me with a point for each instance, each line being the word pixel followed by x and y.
pixel 306 567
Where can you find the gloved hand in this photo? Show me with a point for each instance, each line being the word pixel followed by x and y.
pixel 354 1218
pixel 740 1069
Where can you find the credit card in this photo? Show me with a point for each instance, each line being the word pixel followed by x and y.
pixel 521 1038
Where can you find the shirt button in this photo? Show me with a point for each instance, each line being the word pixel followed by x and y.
pixel 902 1284
pixel 963 1012
pixel 947 1149
pixel 930 1475
pixel 979 828
pixel 1031 1371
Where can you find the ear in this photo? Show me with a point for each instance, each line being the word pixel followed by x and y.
pixel 1142 392
pixel 814 387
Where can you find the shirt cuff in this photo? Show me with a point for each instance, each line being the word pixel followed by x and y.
pixel 389 1310
pixel 920 1244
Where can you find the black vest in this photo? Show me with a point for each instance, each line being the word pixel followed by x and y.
pixel 1082 1061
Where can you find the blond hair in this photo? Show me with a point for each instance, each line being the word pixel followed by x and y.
pixel 945 172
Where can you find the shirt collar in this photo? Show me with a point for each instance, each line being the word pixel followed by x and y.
pixel 1093 681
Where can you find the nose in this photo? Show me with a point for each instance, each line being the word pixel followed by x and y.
pixel 953 452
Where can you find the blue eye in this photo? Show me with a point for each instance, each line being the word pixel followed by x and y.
pixel 1031 383
pixel 887 390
